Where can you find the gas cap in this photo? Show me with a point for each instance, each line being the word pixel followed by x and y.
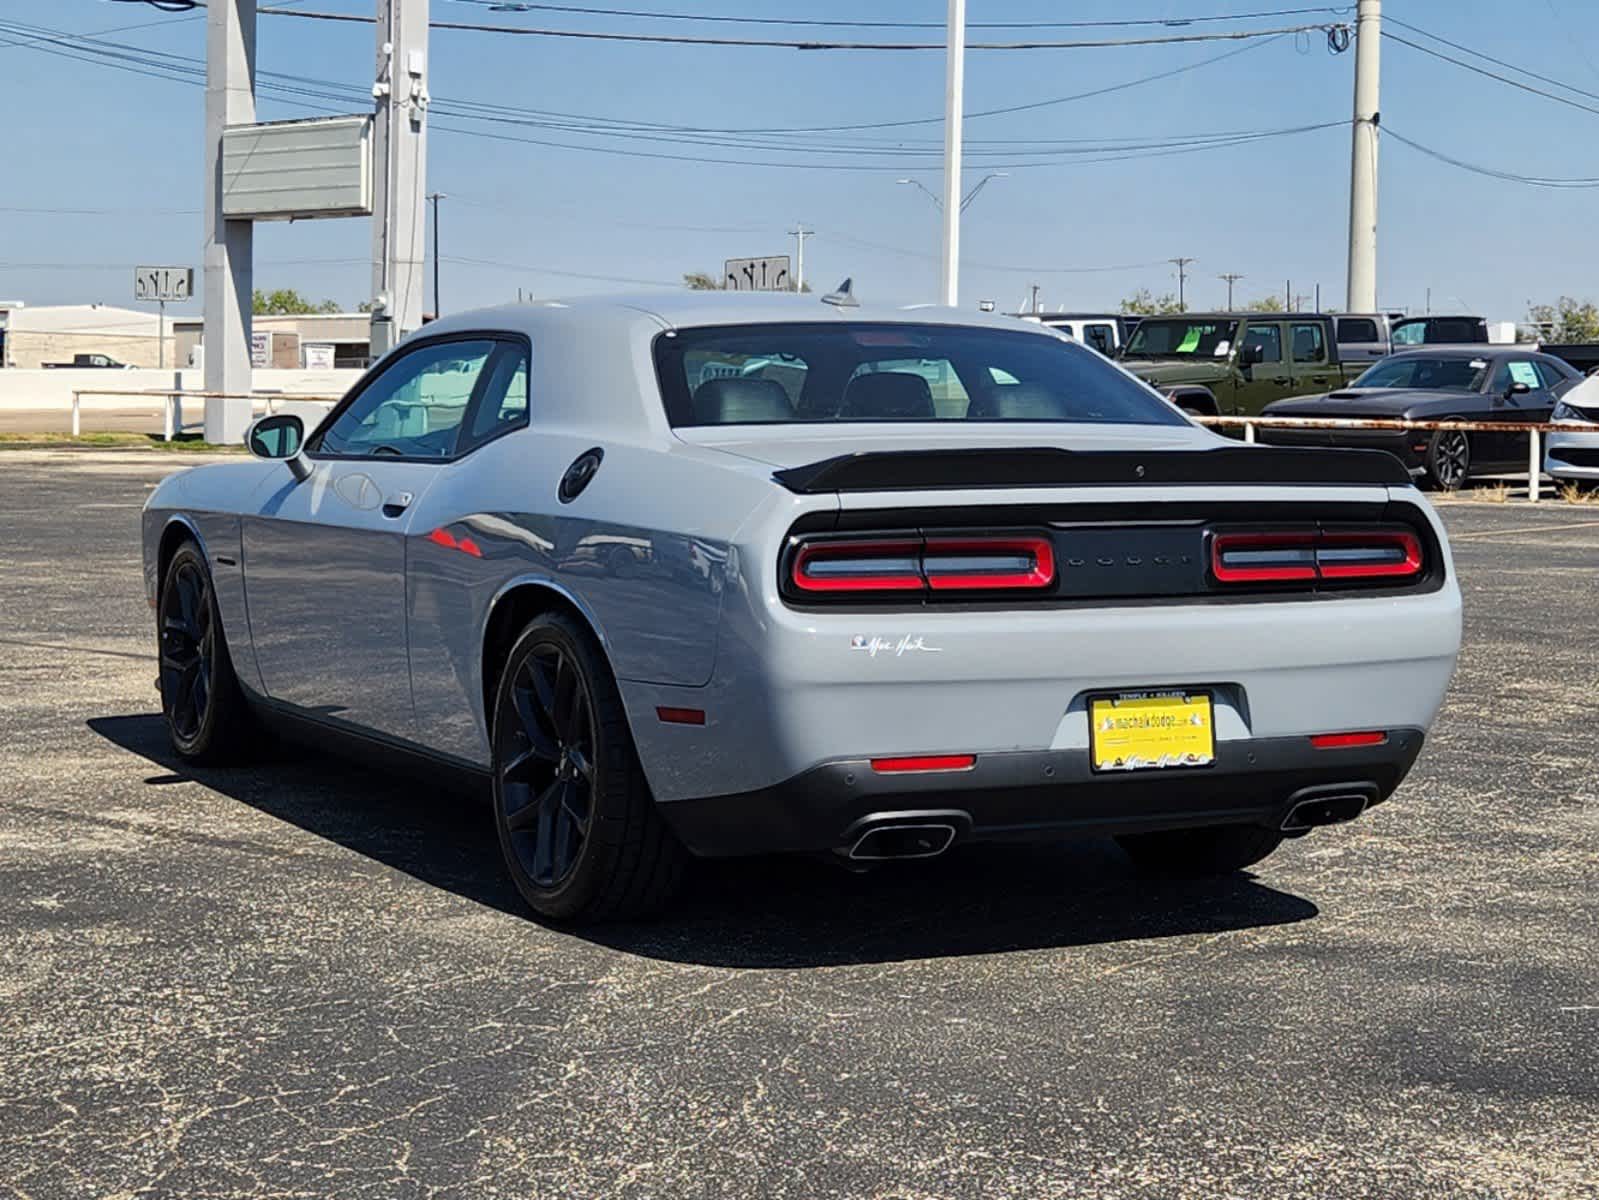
pixel 578 474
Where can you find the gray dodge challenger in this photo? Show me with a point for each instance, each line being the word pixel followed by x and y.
pixel 722 574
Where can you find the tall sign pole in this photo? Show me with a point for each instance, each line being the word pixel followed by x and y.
pixel 1362 297
pixel 229 245
pixel 954 89
pixel 399 168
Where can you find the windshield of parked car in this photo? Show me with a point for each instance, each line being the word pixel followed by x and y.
pixel 1465 374
pixel 834 372
pixel 1168 337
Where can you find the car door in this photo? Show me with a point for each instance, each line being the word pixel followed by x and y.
pixel 1268 379
pixel 325 558
pixel 1311 363
pixel 1507 406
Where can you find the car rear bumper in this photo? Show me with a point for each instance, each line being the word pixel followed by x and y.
pixel 1572 455
pixel 1040 795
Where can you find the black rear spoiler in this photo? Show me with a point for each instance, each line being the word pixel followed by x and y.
pixel 1049 466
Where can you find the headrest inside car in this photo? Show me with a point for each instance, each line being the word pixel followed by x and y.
pixel 741 401
pixel 1016 402
pixel 887 396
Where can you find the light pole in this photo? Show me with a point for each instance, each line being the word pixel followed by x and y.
pixel 954 110
pixel 435 197
pixel 966 203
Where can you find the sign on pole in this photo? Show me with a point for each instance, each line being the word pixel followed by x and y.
pixel 163 283
pixel 768 274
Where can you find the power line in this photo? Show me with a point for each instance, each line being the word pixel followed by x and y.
pixel 817 23
pixel 1515 83
pixel 1387 20
pixel 505 266
pixel 987 266
pixel 783 44
pixel 1490 172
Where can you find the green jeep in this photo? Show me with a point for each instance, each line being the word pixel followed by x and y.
pixel 1234 364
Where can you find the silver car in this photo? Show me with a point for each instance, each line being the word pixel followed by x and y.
pixel 720 575
pixel 1571 453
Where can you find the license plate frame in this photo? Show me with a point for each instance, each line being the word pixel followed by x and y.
pixel 1187 743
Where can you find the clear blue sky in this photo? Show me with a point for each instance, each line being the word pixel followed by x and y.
pixel 82 136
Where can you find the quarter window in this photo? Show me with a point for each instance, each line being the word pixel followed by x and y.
pixel 1357 329
pixel 1100 337
pixel 1310 346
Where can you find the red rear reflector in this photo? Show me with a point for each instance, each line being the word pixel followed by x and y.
pixel 924 762
pixel 681 716
pixel 1340 741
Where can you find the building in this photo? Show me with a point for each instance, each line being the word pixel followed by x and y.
pixel 37 336
pixel 303 341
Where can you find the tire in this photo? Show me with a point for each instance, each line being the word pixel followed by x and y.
pixel 1209 850
pixel 578 828
pixel 207 717
pixel 1448 460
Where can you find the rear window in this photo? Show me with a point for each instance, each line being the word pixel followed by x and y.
pixel 876 372
pixel 1357 329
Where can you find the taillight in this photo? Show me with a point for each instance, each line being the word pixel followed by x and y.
pixel 943 564
pixel 1309 555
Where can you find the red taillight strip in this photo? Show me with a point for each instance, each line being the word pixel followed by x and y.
pixel 924 762
pixel 1341 741
pixel 1298 542
pixel 882 581
pixel 1040 575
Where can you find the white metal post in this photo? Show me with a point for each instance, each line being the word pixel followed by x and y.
pixel 77 420
pixel 229 245
pixel 399 170
pixel 1362 279
pixel 1534 466
pixel 1249 432
pixel 954 100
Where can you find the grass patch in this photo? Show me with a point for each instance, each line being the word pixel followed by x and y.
pixel 1497 493
pixel 183 443
pixel 1572 492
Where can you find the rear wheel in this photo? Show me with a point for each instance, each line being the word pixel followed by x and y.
pixel 1448 459
pixel 207 716
pixel 1210 850
pixel 577 825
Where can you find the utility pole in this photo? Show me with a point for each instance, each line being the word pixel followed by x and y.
pixel 954 89
pixel 799 233
pixel 1231 277
pixel 1182 282
pixel 229 245
pixel 399 158
pixel 1363 159
pixel 435 197
pixel 1035 299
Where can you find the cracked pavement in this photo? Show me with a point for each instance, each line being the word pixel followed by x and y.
pixel 306 978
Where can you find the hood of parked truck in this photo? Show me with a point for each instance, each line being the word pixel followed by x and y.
pixel 1169 372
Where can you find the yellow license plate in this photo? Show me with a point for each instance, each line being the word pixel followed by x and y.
pixel 1146 731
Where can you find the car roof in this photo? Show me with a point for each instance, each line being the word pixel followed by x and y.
pixel 1237 316
pixel 688 309
pixel 1479 350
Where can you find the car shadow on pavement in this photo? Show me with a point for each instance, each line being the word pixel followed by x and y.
pixel 771 913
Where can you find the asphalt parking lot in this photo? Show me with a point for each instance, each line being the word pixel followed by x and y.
pixel 307 979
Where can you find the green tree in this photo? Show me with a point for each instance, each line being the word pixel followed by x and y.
pixel 699 281
pixel 1566 320
pixel 1144 303
pixel 1266 304
pixel 286 302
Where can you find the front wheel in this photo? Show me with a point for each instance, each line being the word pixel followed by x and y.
pixel 206 714
pixel 577 825
pixel 1210 850
pixel 1448 459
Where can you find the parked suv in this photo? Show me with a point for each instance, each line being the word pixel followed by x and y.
pixel 1096 331
pixel 1234 364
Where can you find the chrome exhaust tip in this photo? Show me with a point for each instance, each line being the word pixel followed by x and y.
pixel 902 840
pixel 1332 808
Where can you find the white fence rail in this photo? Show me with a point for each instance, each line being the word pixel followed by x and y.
pixel 172 403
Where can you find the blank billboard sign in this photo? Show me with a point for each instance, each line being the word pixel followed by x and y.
pixel 298 170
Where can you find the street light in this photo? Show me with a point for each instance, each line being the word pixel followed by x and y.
pixel 970 196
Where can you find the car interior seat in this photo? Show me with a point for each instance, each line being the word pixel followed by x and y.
pixel 741 401
pixel 887 396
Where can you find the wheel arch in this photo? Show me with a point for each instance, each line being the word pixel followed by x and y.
pixel 178 529
pixel 517 603
pixel 1196 399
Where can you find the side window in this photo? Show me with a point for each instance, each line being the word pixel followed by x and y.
pixel 1517 370
pixel 1270 340
pixel 503 401
pixel 1410 333
pixel 1551 374
pixel 1100 337
pixel 1357 329
pixel 1310 345
pixel 415 407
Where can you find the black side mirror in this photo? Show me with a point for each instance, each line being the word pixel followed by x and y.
pixel 1517 389
pixel 279 436
pixel 1254 354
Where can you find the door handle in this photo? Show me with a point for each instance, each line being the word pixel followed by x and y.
pixel 397 504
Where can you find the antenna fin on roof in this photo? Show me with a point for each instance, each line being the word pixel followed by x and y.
pixel 843 296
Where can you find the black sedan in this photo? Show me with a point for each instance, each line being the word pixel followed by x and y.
pixel 1491 384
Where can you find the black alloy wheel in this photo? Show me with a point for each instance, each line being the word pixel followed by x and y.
pixel 545 762
pixel 580 832
pixel 188 649
pixel 1448 459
